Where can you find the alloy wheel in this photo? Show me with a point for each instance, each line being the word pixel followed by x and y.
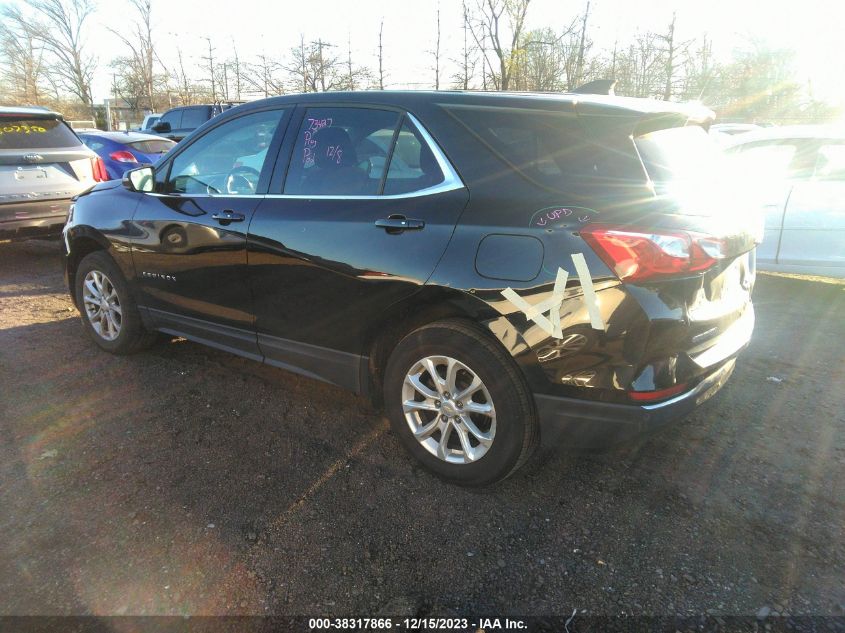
pixel 449 409
pixel 102 305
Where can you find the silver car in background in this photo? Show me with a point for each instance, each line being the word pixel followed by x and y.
pixel 43 164
pixel 797 176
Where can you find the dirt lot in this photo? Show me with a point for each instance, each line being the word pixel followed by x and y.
pixel 184 480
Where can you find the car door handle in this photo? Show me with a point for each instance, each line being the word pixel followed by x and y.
pixel 398 223
pixel 226 216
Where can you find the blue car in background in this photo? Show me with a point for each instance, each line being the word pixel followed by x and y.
pixel 122 151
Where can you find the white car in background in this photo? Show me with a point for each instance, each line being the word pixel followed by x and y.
pixel 797 175
pixel 724 133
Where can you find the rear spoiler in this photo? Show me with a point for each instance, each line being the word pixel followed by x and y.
pixel 597 87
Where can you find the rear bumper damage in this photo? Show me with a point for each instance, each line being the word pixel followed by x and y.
pixel 592 424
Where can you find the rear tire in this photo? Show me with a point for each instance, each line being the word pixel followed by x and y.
pixel 473 423
pixel 109 313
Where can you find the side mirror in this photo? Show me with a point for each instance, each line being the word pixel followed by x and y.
pixel 141 179
pixel 162 126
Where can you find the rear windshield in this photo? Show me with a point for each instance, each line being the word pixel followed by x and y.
pixel 685 154
pixel 35 134
pixel 152 146
pixel 551 149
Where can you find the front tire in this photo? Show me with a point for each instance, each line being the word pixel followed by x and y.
pixel 459 404
pixel 109 313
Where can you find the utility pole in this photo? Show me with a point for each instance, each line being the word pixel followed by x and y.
pixel 437 54
pixel 380 57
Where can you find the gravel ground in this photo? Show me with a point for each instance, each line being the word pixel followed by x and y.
pixel 187 481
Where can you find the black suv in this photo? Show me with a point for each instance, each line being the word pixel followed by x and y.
pixel 177 123
pixel 493 269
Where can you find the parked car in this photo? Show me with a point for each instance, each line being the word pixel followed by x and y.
pixel 177 123
pixel 43 164
pixel 495 269
pixel 798 176
pixel 122 151
pixel 722 133
pixel 147 124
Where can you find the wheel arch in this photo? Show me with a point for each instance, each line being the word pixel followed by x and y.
pixel 437 303
pixel 81 242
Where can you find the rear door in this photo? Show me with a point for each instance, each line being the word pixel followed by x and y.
pixel 814 222
pixel 189 238
pixel 357 221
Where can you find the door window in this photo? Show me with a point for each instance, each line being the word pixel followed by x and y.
pixel 194 117
pixel 174 118
pixel 412 165
pixel 341 152
pixel 770 161
pixel 227 160
pixel 830 164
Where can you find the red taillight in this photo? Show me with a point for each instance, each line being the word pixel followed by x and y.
pixel 653 396
pixel 123 156
pixel 98 167
pixel 640 254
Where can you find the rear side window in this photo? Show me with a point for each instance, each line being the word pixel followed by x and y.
pixel 153 146
pixel 93 144
pixel 341 151
pixel 194 117
pixel 35 134
pixel 413 166
pixel 549 148
pixel 174 118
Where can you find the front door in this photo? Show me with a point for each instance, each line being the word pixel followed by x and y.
pixel 367 209
pixel 190 253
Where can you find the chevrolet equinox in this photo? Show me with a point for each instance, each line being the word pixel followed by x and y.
pixel 491 269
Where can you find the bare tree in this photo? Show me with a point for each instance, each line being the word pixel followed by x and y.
pixel 497 19
pixel 579 65
pixel 62 33
pixel 467 61
pixel 23 70
pixel 139 84
pixel 355 76
pixel 210 69
pixel 673 53
pixel 436 54
pixel 236 67
pixel 315 67
pixel 262 76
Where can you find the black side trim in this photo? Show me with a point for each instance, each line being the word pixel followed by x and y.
pixel 339 368
pixel 229 339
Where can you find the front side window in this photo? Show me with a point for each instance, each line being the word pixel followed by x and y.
pixel 341 151
pixel 227 160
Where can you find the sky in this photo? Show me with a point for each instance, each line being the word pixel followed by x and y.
pixel 810 27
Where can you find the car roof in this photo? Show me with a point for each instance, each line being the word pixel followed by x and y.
pixel 789 131
pixel 542 101
pixel 29 111
pixel 122 137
